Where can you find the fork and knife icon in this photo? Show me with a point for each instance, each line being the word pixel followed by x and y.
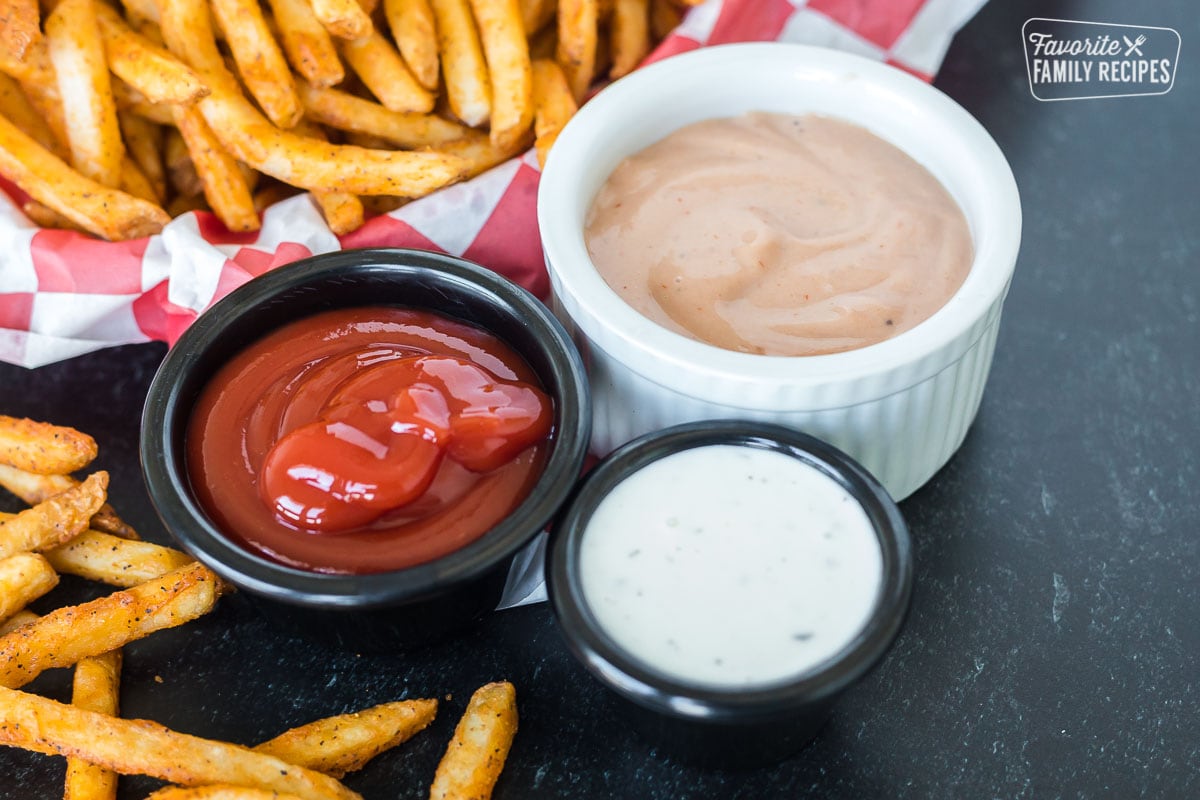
pixel 1134 46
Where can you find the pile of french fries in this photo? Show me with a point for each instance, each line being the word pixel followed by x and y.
pixel 116 119
pixel 70 529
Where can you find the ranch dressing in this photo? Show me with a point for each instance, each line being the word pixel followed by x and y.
pixel 730 566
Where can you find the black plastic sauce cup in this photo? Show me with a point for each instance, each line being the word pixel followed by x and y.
pixel 735 727
pixel 386 610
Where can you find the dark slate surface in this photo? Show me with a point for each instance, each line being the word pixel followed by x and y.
pixel 1052 647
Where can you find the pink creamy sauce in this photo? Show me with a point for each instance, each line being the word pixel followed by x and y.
pixel 780 235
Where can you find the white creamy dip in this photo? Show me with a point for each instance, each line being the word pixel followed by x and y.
pixel 730 566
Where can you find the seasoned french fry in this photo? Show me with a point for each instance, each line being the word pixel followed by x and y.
pixel 143 9
pixel 17 620
pixel 217 792
pixel 345 19
pixel 147 748
pixel 260 62
pixel 384 73
pixel 24 577
pixel 144 141
pixel 297 160
pixel 415 32
pixel 66 635
pixel 345 743
pixel 507 54
pixel 34 488
pixel 665 17
pixel 553 103
pixel 110 559
pixel 109 213
pixel 464 70
pixel 306 43
pixel 19 26
pixel 630 35
pixel 96 687
pixel 343 212
pixel 37 79
pixel 129 99
pixel 577 33
pixel 15 105
pixel 481 742
pixel 46 217
pixel 274 192
pixel 536 15
pixel 44 448
pixel 481 155
pixel 158 75
pixel 77 52
pixel 346 112
pixel 224 184
pixel 55 520
pixel 135 182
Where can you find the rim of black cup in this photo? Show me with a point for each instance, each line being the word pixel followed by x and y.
pixel 652 689
pixel 229 325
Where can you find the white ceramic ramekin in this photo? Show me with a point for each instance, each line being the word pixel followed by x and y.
pixel 901 407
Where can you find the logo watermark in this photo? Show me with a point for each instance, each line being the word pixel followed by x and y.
pixel 1075 60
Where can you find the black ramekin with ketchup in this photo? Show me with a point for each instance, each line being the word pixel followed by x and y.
pixel 263 425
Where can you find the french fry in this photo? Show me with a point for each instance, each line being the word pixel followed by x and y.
pixel 507 54
pixel 109 213
pixel 147 748
pixel 473 761
pixel 158 75
pixel 46 217
pixel 43 448
pixel 143 9
pixel 306 43
pixel 135 182
pixel 536 15
pixel 33 488
pixel 40 85
pixel 577 33
pixel 217 792
pixel 15 105
pixel 274 192
pixel 19 27
pixel 384 73
pixel 77 52
pixel 345 19
pixel 55 520
pixel 144 141
pixel 66 635
pixel 260 62
pixel 553 103
pixel 346 112
pixel 345 743
pixel 413 28
pixel 223 182
pixel 297 160
pixel 343 212
pixel 129 99
pixel 17 620
pixel 115 561
pixel 630 31
pixel 182 204
pixel 24 577
pixel 96 687
pixel 464 70
pixel 665 17
pixel 480 155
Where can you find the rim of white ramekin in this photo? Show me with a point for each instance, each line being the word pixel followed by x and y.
pixel 726 80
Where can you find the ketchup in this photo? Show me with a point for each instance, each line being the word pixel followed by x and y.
pixel 367 439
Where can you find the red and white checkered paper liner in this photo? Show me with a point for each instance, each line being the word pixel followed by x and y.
pixel 63 293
